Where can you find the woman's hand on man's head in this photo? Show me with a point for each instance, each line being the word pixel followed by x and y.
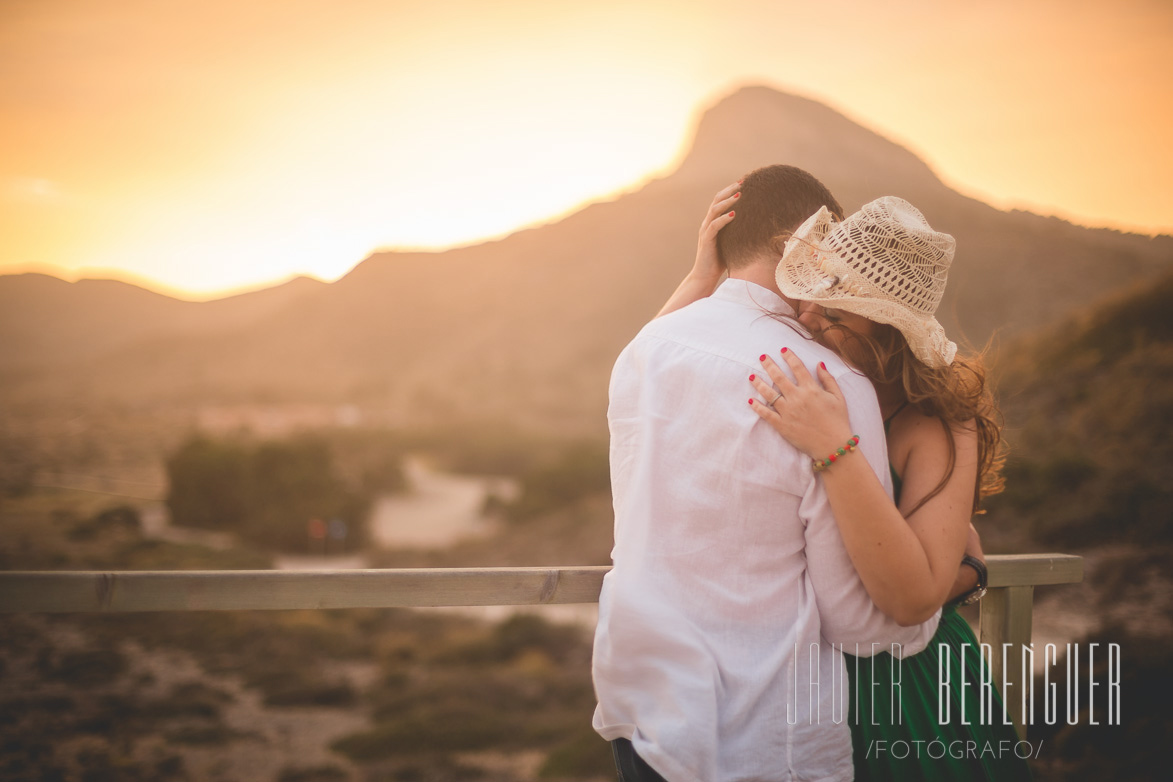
pixel 707 269
pixel 708 265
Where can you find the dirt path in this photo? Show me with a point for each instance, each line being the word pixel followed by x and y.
pixel 441 509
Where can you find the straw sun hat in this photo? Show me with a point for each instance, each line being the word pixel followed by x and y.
pixel 883 263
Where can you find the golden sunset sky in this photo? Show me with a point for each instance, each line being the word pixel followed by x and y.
pixel 213 145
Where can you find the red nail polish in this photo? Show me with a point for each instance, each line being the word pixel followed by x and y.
pixel 762 357
pixel 822 365
pixel 751 377
pixel 737 195
pixel 751 401
pixel 732 213
pixel 784 349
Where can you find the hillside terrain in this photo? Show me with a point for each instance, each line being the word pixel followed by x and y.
pixel 524 329
pixel 366 694
pixel 1088 405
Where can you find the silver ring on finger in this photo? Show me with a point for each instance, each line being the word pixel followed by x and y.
pixel 775 399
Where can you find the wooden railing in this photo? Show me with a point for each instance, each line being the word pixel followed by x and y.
pixel 1005 611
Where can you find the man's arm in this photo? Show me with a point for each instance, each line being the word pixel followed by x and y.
pixel 847 613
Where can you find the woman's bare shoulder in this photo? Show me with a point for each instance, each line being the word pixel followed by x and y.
pixel 911 422
pixel 926 436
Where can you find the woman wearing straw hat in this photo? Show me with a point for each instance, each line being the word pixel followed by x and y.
pixel 869 288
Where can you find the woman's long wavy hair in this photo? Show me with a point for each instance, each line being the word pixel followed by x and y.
pixel 957 394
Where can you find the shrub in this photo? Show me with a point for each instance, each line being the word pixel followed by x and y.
pixel 268 492
pixel 208 484
pixel 83 668
pixel 323 773
pixel 587 755
pixel 122 518
pixel 579 471
pixel 515 635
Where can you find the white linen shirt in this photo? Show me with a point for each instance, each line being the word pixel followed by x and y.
pixel 713 652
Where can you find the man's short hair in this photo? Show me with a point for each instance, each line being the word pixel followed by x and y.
pixel 774 201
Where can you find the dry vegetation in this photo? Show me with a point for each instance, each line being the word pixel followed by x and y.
pixel 311 696
pixel 402 695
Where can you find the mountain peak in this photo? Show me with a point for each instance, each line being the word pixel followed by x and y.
pixel 757 125
pixel 753 97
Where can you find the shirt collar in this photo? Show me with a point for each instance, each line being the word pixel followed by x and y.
pixel 750 294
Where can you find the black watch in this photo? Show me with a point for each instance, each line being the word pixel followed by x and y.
pixel 979 591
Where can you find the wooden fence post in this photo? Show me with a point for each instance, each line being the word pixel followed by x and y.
pixel 1005 624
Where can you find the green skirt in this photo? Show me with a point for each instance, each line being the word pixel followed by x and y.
pixel 915 745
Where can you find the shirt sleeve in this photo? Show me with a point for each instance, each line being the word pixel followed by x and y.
pixel 846 612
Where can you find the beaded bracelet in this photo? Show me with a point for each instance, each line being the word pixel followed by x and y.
pixel 821 464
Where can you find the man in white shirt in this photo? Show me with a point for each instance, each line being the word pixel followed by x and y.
pixel 721 624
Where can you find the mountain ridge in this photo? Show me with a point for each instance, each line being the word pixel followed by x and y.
pixel 525 327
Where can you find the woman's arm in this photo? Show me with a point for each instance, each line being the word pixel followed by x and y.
pixel 707 269
pixel 909 566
